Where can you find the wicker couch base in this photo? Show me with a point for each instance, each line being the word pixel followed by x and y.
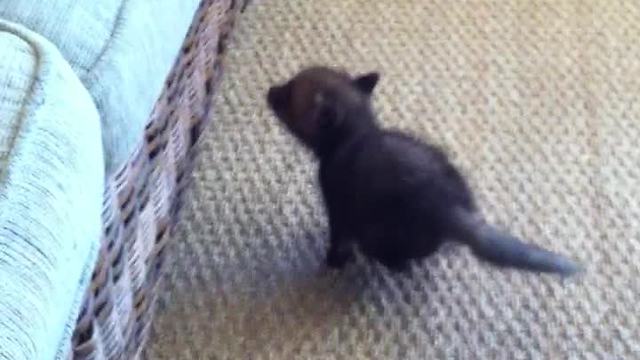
pixel 142 200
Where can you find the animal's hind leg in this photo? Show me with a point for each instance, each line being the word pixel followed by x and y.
pixel 388 255
pixel 393 262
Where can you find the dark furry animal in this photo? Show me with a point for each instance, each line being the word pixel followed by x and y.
pixel 394 196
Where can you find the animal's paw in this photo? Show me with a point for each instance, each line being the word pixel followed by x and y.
pixel 396 265
pixel 338 259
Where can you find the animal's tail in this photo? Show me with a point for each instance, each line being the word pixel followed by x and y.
pixel 506 250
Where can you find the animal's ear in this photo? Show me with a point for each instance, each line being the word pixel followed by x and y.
pixel 367 82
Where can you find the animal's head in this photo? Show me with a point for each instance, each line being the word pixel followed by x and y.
pixel 320 99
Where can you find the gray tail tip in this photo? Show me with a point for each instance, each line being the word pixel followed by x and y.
pixel 550 262
pixel 566 267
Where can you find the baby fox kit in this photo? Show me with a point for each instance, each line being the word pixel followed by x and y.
pixel 394 196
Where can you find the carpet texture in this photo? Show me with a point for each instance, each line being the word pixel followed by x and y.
pixel 535 100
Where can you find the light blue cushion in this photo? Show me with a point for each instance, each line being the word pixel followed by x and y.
pixel 51 185
pixel 122 50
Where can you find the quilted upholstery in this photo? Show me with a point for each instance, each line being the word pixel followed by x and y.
pixel 51 183
pixel 121 50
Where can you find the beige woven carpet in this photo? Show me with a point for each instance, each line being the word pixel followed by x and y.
pixel 536 100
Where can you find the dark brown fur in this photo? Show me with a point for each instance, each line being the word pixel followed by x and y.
pixel 394 196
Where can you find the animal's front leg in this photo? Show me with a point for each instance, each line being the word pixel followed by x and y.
pixel 339 254
pixel 340 250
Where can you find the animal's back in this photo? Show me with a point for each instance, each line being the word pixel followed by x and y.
pixel 398 192
pixel 427 170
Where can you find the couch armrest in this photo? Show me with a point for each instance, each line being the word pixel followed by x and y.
pixel 51 184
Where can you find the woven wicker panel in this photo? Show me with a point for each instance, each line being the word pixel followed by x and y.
pixel 141 200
